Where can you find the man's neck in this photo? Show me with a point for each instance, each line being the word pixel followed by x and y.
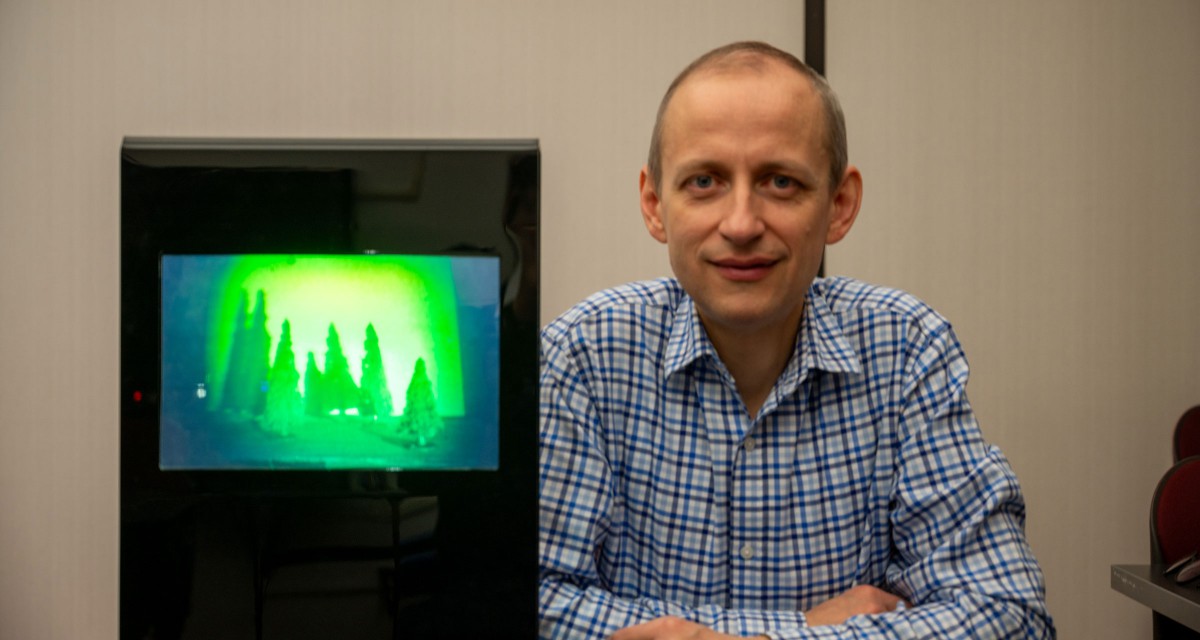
pixel 755 359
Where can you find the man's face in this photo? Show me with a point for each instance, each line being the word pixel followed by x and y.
pixel 744 203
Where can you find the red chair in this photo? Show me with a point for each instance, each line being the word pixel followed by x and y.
pixel 1175 530
pixel 1187 434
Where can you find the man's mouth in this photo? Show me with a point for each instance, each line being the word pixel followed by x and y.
pixel 744 269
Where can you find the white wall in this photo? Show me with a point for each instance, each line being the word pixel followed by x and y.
pixel 1030 171
pixel 77 76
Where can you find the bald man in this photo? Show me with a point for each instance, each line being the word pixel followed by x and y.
pixel 746 449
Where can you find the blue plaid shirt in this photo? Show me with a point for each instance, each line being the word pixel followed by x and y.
pixel 661 496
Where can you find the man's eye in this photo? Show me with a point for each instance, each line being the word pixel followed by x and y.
pixel 702 182
pixel 782 182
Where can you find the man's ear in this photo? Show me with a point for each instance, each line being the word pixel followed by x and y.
pixel 844 206
pixel 651 206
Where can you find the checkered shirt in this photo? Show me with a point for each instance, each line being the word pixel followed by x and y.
pixel 661 496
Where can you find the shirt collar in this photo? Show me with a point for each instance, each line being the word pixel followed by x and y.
pixel 688 341
pixel 822 344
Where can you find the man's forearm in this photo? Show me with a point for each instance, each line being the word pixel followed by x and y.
pixel 570 611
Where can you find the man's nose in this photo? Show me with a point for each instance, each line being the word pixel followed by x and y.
pixel 742 221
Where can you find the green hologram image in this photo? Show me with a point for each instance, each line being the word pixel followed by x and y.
pixel 375 399
pixel 314 399
pixel 381 338
pixel 248 357
pixel 338 391
pixel 284 409
pixel 317 293
pixel 420 419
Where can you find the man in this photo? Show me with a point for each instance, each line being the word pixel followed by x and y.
pixel 748 450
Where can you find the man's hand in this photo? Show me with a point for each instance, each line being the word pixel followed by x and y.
pixel 863 599
pixel 860 600
pixel 670 628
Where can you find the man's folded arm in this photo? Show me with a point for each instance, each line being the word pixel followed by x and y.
pixel 958 516
pixel 572 611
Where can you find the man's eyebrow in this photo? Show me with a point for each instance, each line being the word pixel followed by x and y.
pixel 699 164
pixel 800 168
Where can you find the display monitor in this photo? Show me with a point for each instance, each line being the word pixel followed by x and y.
pixel 329 388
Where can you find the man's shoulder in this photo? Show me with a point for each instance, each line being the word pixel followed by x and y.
pixel 855 300
pixel 646 302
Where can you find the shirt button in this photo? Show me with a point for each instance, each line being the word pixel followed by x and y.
pixel 749 444
pixel 747 551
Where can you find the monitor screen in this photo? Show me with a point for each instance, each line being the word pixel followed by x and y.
pixel 329 361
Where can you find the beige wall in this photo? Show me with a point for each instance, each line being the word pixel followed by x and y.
pixel 75 77
pixel 1029 171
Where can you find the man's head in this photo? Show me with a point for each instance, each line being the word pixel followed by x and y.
pixel 754 55
pixel 745 193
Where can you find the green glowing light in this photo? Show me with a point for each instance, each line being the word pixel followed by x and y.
pixel 410 301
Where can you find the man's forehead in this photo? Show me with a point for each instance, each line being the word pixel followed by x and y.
pixel 708 95
pixel 707 81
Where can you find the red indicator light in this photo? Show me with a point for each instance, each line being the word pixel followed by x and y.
pixel 137 396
